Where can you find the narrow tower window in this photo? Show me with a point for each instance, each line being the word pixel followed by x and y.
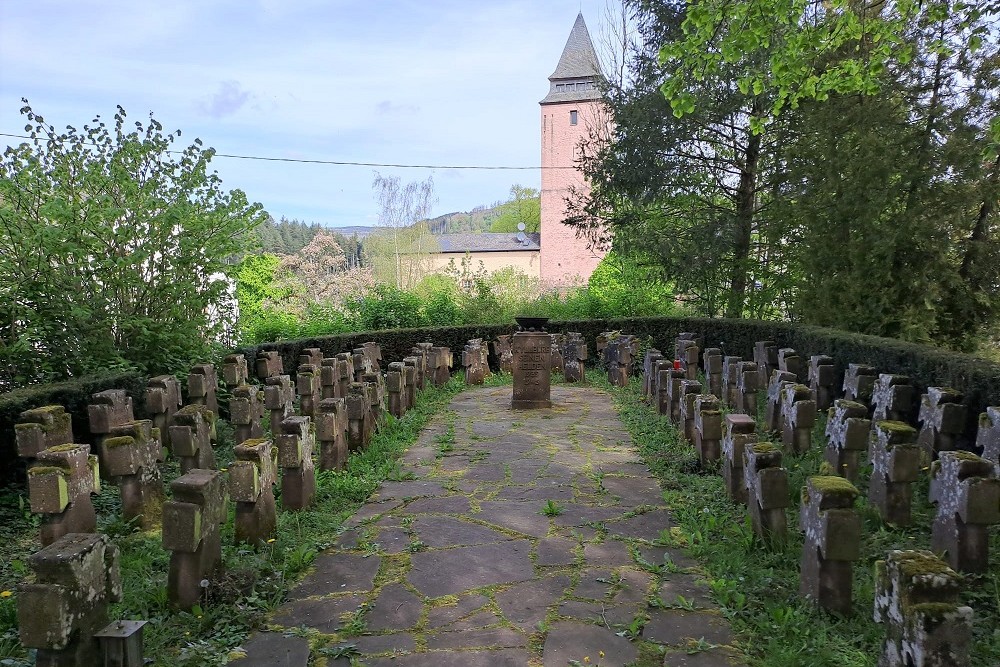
pixel 572 117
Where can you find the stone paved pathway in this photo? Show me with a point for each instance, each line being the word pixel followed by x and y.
pixel 461 566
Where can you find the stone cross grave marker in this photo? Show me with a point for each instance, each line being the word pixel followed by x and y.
pixel 59 487
pixel 362 363
pixel 374 352
pixel 765 355
pixel 773 419
pixel 893 398
pixel 740 432
pixel 395 383
pixel 410 381
pixel 76 578
pixel 687 354
pixel 329 378
pixel 558 344
pixel 346 367
pixel 107 410
pixel 707 428
pixel 847 431
pixel 574 356
pixel 895 459
pixel 832 530
pixel 331 431
pixel 798 418
pixel 252 477
pixel 298 474
pixel 730 364
pixel 689 392
pixel 311 356
pixel 235 370
pixel 649 370
pixel 670 390
pixel 988 436
pixel 766 484
pixel 279 399
pixel 375 388
pixel 618 358
pixel 130 459
pixel 967 493
pixel 474 361
pixel 246 410
pixel 309 389
pixel 683 341
pixel 444 361
pixel 942 416
pixel 268 364
pixel 203 383
pixel 712 361
pixel 359 417
pixel 163 399
pixel 822 380
pixel 917 599
pixel 422 351
pixel 859 383
pixel 191 523
pixel 789 361
pixel 505 356
pixel 192 432
pixel 747 378
pixel 41 428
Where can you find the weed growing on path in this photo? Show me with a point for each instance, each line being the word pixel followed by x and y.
pixel 551 508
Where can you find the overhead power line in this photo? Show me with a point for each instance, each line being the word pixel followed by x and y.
pixel 347 163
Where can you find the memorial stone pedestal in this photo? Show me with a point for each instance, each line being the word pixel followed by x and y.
pixel 532 370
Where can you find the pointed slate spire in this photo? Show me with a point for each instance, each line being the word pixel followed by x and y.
pixel 578 68
pixel 579 58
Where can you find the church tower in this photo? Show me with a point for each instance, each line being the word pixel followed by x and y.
pixel 572 107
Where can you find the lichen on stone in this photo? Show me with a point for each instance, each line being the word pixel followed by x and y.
pixel 834 485
pixel 764 448
pixel 120 441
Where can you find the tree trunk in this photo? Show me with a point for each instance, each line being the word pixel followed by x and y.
pixel 745 201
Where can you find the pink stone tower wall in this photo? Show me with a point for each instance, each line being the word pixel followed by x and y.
pixel 565 259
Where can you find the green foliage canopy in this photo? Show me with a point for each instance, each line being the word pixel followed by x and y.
pixel 114 251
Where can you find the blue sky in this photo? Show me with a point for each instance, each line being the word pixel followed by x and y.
pixel 443 82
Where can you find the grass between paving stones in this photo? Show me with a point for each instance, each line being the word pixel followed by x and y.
pixel 253 581
pixel 758 588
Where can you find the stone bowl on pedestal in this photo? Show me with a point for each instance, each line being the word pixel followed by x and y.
pixel 531 323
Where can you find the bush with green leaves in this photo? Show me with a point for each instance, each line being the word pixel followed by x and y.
pixel 115 250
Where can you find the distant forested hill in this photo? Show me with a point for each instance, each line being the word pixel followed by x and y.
pixel 477 220
pixel 286 237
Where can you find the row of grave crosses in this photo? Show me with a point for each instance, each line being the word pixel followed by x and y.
pixel 917 595
pixel 64 613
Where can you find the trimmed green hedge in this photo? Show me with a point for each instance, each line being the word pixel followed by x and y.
pixel 74 395
pixel 977 379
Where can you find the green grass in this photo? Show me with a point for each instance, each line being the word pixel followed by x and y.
pixel 758 588
pixel 252 583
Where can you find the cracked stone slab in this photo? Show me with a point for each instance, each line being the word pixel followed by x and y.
pixel 646 526
pixel 399 642
pixel 716 657
pixel 450 571
pixel 525 604
pixel 446 505
pixel 410 489
pixel 679 627
pixel 444 531
pixel 555 551
pixel 500 658
pixel 267 649
pixel 572 640
pixel 446 614
pixel 323 613
pixel 478 638
pixel 338 573
pixel 525 517
pixel 395 609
